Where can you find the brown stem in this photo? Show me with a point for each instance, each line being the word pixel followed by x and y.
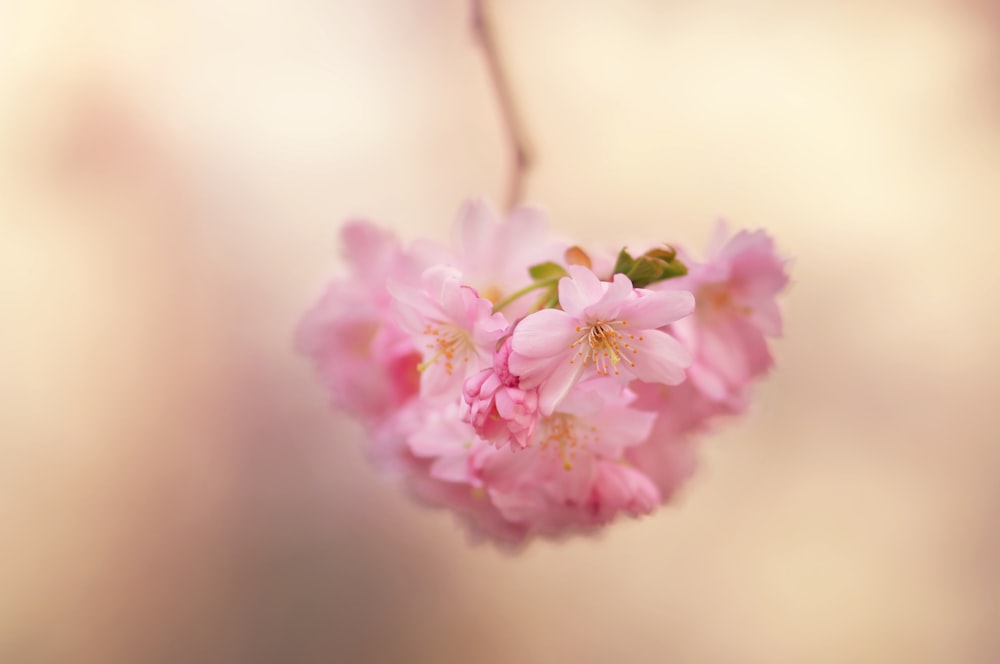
pixel 513 125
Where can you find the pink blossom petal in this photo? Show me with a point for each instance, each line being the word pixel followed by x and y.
pixel 579 290
pixel 608 307
pixel 436 382
pixel 627 426
pixel 530 371
pixel 653 309
pixel 722 349
pixel 488 327
pixel 667 462
pixel 476 229
pixel 708 382
pixel 767 316
pixel 458 302
pixel 452 468
pixel 545 333
pixel 661 358
pixel 558 385
pixel 525 232
pixel 411 307
pixel 367 247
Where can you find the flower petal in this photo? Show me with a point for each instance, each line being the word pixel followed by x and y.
pixel 555 388
pixel 545 333
pixel 579 290
pixel 610 304
pixel 653 309
pixel 475 230
pixel 660 358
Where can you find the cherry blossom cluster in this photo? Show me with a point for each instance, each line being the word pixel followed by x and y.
pixel 530 386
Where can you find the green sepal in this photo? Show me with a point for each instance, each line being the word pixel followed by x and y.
pixel 624 262
pixel 653 266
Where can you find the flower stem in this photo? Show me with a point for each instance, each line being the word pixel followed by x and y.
pixel 516 295
pixel 512 123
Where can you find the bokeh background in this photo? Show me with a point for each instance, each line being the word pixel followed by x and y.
pixel 173 485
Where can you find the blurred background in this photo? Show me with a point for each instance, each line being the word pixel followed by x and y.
pixel 173 486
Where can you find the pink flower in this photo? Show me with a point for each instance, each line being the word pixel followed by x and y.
pixel 571 476
pixel 439 461
pixel 498 409
pixel 668 457
pixel 368 364
pixel 452 444
pixel 564 420
pixel 736 310
pixel 454 329
pixel 619 488
pixel 494 254
pixel 603 329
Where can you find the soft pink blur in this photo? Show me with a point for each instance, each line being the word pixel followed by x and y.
pixel 173 487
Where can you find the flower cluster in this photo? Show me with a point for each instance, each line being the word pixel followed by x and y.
pixel 531 387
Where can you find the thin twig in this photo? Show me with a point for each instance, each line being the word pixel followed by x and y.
pixel 513 125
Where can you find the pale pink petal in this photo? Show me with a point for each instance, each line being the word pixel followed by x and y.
pixel 579 290
pixel 608 307
pixel 531 371
pixel 591 396
pixel 436 440
pixel 643 494
pixel 438 384
pixel 368 248
pixel 718 239
pixel 525 231
pixel 618 488
pixel 475 230
pixel 556 386
pixel 653 309
pixel 412 308
pixel 722 349
pixel 626 426
pixel 545 333
pixel 767 317
pixel 489 327
pixel 660 358
pixel 743 241
pixel 454 468
pixel 708 381
pixel 458 303
pixel 667 462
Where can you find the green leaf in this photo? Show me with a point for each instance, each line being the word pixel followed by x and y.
pixel 546 271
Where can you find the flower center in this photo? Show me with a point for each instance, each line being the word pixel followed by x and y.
pixel 492 293
pixel 602 345
pixel 715 299
pixel 448 343
pixel 561 435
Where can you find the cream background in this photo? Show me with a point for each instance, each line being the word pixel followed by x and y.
pixel 172 176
